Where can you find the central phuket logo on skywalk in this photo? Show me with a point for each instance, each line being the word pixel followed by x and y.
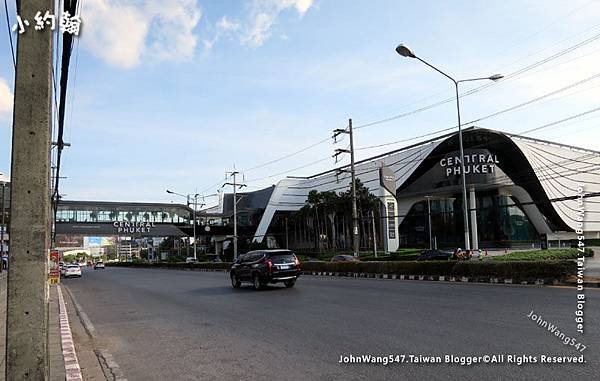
pixel 133 227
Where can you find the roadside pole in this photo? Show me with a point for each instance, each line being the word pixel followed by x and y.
pixel 195 206
pixel 429 220
pixel 235 186
pixel 27 287
pixel 3 227
pixel 354 212
pixel 374 233
pixel 338 151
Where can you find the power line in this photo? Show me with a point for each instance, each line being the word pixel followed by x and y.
pixel 562 120
pixel 286 156
pixel 290 170
pixel 436 104
pixel 512 75
pixel 12 49
pixel 67 39
pixel 408 139
pixel 509 109
pixel 482 87
pixel 520 105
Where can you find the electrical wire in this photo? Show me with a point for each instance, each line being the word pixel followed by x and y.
pixel 12 49
pixel 482 87
pixel 562 120
pixel 534 100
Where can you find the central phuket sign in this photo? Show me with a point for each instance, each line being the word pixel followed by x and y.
pixel 133 227
pixel 476 163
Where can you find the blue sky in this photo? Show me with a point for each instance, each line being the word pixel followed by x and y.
pixel 171 94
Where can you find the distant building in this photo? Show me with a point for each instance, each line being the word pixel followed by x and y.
pixel 520 189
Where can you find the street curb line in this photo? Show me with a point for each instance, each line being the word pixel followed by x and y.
pixel 72 368
pixel 434 278
pixel 107 362
pixel 447 279
pixel 85 320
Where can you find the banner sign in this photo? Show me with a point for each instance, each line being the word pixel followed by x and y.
pixel 54 268
pixel 387 179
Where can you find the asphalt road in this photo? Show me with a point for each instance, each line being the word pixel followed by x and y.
pixel 181 325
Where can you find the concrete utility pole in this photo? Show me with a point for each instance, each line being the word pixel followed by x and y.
pixel 429 220
pixel 195 205
pixel 336 133
pixel 2 225
pixel 235 186
pixel 27 295
pixel 374 233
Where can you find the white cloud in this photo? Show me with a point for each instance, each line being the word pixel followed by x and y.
pixel 124 34
pixel 227 25
pixel 6 99
pixel 264 14
pixel 259 30
pixel 224 27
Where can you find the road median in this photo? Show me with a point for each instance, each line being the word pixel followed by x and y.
pixel 500 272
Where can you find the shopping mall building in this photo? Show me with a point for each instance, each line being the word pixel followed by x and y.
pixel 521 192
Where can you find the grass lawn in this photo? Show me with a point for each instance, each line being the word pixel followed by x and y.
pixel 537 255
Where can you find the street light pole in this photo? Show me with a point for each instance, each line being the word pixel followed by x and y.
pixel 404 51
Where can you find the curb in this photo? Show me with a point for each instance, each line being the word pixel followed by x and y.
pixel 169 268
pixel 434 278
pixel 107 363
pixel 451 279
pixel 72 368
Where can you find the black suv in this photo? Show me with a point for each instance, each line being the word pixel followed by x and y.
pixel 265 266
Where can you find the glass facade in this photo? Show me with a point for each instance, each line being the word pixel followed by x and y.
pixel 165 215
pixel 499 222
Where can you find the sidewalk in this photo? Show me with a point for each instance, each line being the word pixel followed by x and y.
pixel 57 365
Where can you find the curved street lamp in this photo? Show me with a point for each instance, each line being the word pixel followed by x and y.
pixel 405 51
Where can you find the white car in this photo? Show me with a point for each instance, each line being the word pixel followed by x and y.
pixel 72 270
pixel 99 265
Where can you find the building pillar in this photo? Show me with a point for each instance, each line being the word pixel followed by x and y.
pixel 472 208
pixel 389 213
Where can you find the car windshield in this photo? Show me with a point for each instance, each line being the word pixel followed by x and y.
pixel 73 267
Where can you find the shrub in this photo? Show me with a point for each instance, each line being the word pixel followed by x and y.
pixel 514 270
pixel 175 265
pixel 537 255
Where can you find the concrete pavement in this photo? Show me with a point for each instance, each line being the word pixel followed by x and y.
pixel 178 325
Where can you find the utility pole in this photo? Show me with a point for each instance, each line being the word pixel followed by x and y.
pixel 287 243
pixel 429 219
pixel 188 203
pixel 338 151
pixel 235 186
pixel 188 242
pixel 195 204
pixel 3 227
pixel 27 290
pixel 374 233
